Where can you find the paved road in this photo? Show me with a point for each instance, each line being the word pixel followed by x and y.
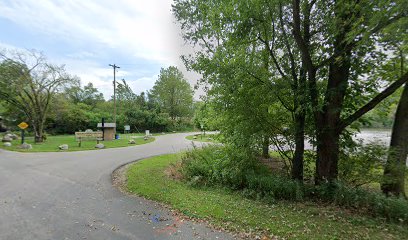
pixel 70 196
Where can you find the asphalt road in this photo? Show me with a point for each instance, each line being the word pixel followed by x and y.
pixel 69 195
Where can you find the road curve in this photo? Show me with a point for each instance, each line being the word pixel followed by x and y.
pixel 69 195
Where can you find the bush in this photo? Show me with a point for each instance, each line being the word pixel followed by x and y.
pixel 275 187
pixel 362 164
pixel 375 203
pixel 239 170
pixel 217 165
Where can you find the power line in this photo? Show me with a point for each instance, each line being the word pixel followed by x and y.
pixel 114 66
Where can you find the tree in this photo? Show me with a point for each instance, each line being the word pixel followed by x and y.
pixel 249 60
pixel 353 30
pixel 88 94
pixel 205 115
pixel 28 83
pixel 173 94
pixel 124 92
pixel 328 51
pixel 395 168
pixel 127 99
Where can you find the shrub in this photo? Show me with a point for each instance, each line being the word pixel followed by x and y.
pixel 239 170
pixel 375 203
pixel 275 187
pixel 216 165
pixel 362 164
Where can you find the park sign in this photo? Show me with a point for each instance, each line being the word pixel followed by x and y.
pixel 23 125
pixel 81 136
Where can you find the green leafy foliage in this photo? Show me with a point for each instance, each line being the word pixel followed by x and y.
pixel 173 94
pixel 237 170
pixel 218 165
pixel 88 95
pixel 206 116
pixel 28 82
pixel 310 66
pixel 374 203
pixel 362 164
pixel 233 211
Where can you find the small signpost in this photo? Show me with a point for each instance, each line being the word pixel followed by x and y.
pixel 127 129
pixel 22 126
pixel 202 130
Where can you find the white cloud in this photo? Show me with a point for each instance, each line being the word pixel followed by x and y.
pixel 138 29
pixel 144 29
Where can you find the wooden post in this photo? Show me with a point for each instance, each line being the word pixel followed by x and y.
pixel 22 136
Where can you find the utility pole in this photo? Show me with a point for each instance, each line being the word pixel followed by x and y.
pixel 114 66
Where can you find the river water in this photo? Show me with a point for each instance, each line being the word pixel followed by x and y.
pixel 382 136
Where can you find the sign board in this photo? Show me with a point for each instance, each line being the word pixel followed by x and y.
pixel 147 132
pixel 127 128
pixel 88 135
pixel 23 125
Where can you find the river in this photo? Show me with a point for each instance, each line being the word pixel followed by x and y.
pixel 382 136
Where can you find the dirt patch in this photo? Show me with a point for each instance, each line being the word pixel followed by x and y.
pixel 119 179
pixel 173 171
pixel 274 164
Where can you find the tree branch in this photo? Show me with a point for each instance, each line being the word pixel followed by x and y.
pixel 371 104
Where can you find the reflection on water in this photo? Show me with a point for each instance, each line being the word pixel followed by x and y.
pixel 375 135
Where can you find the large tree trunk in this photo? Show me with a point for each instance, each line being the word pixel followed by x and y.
pixel 265 147
pixel 300 120
pixel 394 172
pixel 327 156
pixel 327 123
pixel 38 131
pixel 297 161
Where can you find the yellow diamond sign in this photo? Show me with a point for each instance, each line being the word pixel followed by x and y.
pixel 23 125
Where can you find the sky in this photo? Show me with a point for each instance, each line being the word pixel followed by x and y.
pixel 139 36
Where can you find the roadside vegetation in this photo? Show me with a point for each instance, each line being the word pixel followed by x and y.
pixel 212 138
pixel 282 73
pixel 249 213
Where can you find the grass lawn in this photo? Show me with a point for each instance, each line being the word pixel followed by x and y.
pixel 52 143
pixel 234 212
pixel 202 138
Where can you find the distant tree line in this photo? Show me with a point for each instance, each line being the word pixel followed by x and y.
pixel 54 102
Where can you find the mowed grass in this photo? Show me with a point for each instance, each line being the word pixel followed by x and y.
pixel 52 143
pixel 232 211
pixel 202 138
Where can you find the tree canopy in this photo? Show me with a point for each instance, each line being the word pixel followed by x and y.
pixel 321 62
pixel 172 93
pixel 28 83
